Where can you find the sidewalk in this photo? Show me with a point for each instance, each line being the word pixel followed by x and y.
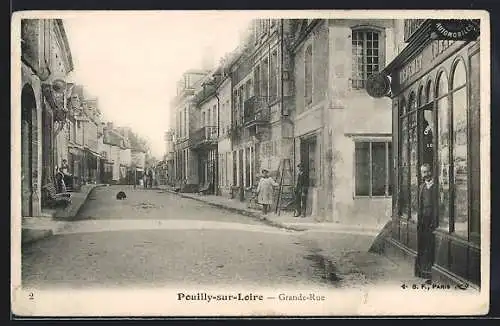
pixel 52 220
pixel 285 220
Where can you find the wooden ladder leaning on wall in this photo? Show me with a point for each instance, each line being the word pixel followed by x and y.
pixel 285 166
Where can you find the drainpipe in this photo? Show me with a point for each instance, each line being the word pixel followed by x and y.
pixel 216 172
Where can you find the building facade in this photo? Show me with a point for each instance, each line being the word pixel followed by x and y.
pixel 182 106
pixel 342 135
pixel 435 94
pixel 261 132
pixel 203 140
pixel 90 132
pixel 45 63
pixel 169 158
pixel 225 158
pixel 117 152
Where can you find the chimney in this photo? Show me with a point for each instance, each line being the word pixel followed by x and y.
pixel 110 125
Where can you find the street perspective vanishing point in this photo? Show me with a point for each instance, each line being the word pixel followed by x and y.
pixel 248 163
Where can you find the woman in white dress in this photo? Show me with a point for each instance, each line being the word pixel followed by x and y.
pixel 265 191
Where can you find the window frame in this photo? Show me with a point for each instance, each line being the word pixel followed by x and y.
pixel 308 97
pixel 388 191
pixel 452 89
pixel 380 31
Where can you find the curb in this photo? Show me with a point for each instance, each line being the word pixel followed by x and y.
pixel 240 211
pixel 32 235
pixel 76 210
pixel 29 235
pixel 83 202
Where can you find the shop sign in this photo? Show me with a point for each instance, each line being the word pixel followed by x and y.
pixel 455 29
pixel 378 85
pixel 411 69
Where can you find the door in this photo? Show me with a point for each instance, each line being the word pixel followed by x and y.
pixel 308 158
pixel 426 133
pixel 425 239
pixel 240 174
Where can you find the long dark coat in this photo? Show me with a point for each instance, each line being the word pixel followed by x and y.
pixel 426 224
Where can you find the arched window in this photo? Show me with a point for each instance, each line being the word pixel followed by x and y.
pixel 402 106
pixel 421 96
pixel 367 49
pixel 413 154
pixel 412 105
pixel 460 162
pixel 404 172
pixel 443 149
pixel 428 92
pixel 308 75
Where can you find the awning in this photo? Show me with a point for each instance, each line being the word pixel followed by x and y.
pixel 97 155
pixel 75 151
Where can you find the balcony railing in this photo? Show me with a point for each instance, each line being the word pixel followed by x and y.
pixel 411 26
pixel 204 135
pixel 256 110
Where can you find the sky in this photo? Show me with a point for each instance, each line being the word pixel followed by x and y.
pixel 132 61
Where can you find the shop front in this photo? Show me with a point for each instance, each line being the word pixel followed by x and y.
pixel 92 167
pixel 436 117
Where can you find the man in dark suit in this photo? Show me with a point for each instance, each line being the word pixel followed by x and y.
pixel 426 224
pixel 301 191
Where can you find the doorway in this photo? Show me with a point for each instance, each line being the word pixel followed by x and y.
pixel 28 149
pixel 240 175
pixel 308 152
pixel 426 128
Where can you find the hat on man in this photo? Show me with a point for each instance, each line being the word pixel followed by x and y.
pixel 265 170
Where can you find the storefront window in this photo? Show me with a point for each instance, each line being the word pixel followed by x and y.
pixel 443 151
pixel 413 147
pixel 428 92
pixel 404 165
pixel 460 168
pixel 421 96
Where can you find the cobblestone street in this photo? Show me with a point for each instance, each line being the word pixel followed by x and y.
pixel 156 238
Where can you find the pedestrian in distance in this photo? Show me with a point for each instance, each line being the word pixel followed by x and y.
pixel 301 191
pixel 265 191
pixel 426 223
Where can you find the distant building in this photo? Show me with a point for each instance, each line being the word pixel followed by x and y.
pixel 185 168
pixel 118 154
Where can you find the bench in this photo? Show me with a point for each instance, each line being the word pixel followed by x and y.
pixel 54 199
pixel 206 189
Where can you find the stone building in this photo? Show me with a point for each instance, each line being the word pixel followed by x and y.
pixel 90 133
pixel 342 135
pixel 76 141
pixel 169 157
pixel 204 131
pixel 117 153
pixel 182 108
pixel 225 158
pixel 45 63
pixel 261 132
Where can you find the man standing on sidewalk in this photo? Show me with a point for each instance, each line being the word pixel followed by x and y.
pixel 426 224
pixel 301 191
